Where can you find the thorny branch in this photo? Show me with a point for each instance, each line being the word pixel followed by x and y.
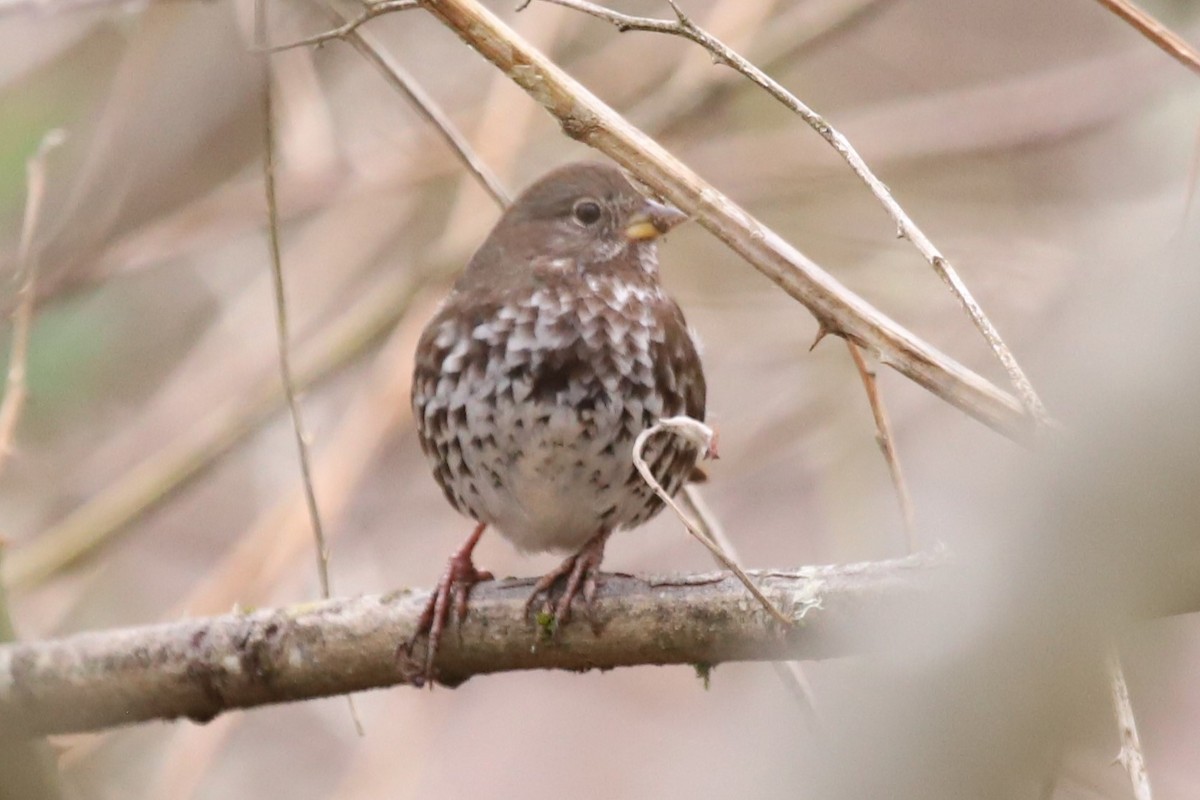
pixel 906 228
pixel 586 118
pixel 887 443
pixel 202 667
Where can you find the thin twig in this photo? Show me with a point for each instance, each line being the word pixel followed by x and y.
pixel 281 316
pixel 199 668
pixel 906 228
pixel 347 27
pixel 887 443
pixel 700 435
pixel 401 80
pixel 1166 39
pixel 790 673
pixel 267 549
pixel 585 118
pixel 1130 755
pixel 15 389
pixel 798 29
pixel 283 338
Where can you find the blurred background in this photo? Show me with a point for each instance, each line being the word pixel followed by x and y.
pixel 1046 148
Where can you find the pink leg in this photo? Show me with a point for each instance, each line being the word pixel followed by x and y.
pixel 579 570
pixel 457 580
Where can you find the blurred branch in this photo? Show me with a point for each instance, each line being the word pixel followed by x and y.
pixel 906 228
pixel 27 765
pixel 169 468
pixel 1166 39
pixel 15 390
pixel 203 667
pixel 586 118
pixel 1130 757
pixel 883 436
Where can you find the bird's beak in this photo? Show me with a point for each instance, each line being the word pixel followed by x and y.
pixel 653 221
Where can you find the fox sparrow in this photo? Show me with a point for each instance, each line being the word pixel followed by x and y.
pixel 555 349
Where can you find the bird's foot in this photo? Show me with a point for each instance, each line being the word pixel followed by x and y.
pixel 456 583
pixel 577 572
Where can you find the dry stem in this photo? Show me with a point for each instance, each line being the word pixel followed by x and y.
pixel 1166 39
pixel 701 435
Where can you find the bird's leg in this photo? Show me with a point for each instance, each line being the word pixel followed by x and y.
pixel 457 580
pixel 579 571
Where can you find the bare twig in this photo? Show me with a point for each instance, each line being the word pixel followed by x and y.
pixel 282 333
pixel 202 667
pixel 798 29
pixel 586 118
pixel 1130 755
pixel 790 673
pixel 684 27
pixel 27 268
pixel 347 27
pixel 887 444
pixel 700 435
pixel 281 316
pixel 401 80
pixel 1167 40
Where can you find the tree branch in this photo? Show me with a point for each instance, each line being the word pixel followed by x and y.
pixel 201 668
pixel 585 118
pixel 721 53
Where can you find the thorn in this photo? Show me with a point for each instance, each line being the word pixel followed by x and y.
pixel 823 330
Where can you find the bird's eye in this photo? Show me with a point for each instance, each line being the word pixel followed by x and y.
pixel 587 212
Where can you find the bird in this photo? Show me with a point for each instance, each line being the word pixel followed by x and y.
pixel 555 348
